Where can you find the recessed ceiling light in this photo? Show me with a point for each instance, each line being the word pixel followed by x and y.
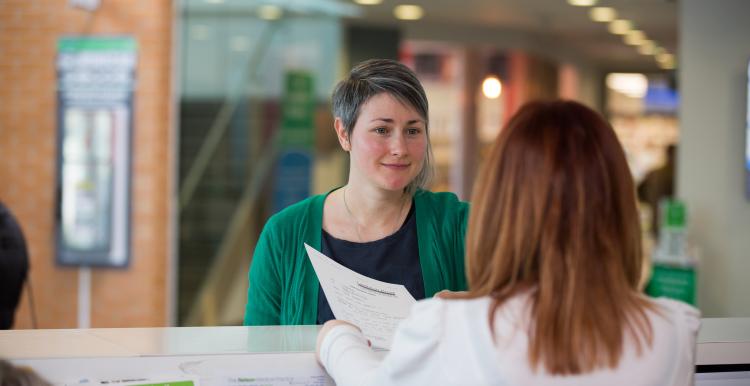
pixel 408 12
pixel 602 14
pixel 637 34
pixel 635 38
pixel 632 40
pixel 215 1
pixel 270 12
pixel 665 57
pixel 620 26
pixel 368 2
pixel 667 65
pixel 648 47
pixel 582 3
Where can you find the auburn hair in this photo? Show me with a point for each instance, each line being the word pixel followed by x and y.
pixel 554 214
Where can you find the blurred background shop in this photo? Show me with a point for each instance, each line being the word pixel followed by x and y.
pixel 144 143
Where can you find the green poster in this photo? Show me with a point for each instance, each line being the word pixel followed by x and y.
pixel 674 282
pixel 298 110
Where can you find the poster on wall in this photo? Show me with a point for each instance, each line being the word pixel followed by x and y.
pixel 295 164
pixel 95 84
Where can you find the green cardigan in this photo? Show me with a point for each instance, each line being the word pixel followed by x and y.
pixel 283 288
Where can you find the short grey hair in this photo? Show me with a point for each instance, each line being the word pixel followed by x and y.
pixel 375 76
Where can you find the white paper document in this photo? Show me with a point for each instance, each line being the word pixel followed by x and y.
pixel 164 380
pixel 273 369
pixel 374 306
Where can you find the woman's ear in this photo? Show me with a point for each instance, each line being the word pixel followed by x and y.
pixel 338 124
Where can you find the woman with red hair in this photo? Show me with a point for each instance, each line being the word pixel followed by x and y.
pixel 554 265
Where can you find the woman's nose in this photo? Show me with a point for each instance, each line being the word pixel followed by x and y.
pixel 398 145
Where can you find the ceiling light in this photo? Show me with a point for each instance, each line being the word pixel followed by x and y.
pixel 602 14
pixel 215 1
pixel 632 85
pixel 648 47
pixel 667 65
pixel 582 3
pixel 637 34
pixel 408 12
pixel 270 12
pixel 620 26
pixel 491 87
pixel 368 2
pixel 665 58
pixel 635 38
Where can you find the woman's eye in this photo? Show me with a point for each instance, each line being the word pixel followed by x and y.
pixel 412 131
pixel 381 130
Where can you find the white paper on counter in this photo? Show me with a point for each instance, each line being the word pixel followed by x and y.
pixel 163 380
pixel 267 369
pixel 376 307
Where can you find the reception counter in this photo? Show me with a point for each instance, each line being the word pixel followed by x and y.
pixel 239 356
pixel 247 356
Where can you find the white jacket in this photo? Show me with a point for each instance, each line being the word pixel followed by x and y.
pixel 448 342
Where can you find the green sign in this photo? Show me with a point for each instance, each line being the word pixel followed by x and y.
pixel 298 110
pixel 73 44
pixel 675 214
pixel 674 282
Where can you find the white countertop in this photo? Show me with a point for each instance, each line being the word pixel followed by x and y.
pixel 720 341
pixel 723 341
pixel 119 342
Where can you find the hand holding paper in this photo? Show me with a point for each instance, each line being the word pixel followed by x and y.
pixel 374 306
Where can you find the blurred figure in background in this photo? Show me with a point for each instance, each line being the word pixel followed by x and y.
pixel 657 185
pixel 14 266
pixel 553 259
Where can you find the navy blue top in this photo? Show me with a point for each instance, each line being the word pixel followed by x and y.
pixel 393 259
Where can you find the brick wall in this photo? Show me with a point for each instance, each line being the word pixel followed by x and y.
pixel 29 30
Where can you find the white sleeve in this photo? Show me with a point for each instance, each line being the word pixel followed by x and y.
pixel 347 357
pixel 689 322
pixel 413 359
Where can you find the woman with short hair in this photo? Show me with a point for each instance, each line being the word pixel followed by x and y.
pixel 553 259
pixel 381 224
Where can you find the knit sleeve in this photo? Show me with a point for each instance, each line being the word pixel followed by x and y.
pixel 263 306
pixel 460 246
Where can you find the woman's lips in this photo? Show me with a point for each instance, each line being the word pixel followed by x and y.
pixel 396 166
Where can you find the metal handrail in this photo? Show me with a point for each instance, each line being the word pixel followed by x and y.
pixel 226 262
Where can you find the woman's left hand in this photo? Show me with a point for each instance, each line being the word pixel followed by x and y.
pixel 327 327
pixel 445 294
